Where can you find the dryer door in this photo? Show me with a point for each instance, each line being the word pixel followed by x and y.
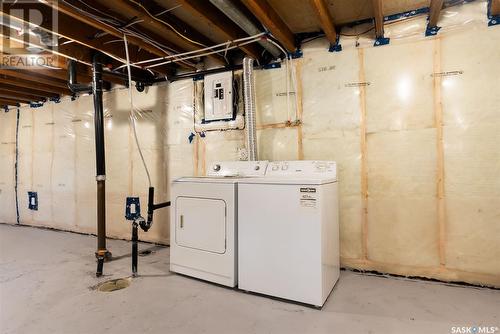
pixel 201 224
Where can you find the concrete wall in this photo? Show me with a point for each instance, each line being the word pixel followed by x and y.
pixel 414 127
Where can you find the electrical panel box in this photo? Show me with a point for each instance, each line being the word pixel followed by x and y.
pixel 218 97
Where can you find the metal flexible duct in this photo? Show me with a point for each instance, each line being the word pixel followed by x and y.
pixel 249 101
pixel 234 13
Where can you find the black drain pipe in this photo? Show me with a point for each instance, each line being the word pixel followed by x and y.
pixel 146 225
pixel 102 253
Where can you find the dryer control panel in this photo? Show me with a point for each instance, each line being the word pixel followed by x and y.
pixel 238 168
pixel 302 168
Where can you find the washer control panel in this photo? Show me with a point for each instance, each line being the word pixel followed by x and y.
pixel 302 168
pixel 238 168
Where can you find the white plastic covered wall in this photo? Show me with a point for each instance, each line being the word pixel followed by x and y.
pixel 414 127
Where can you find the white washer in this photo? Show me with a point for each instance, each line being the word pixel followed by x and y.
pixel 203 221
pixel 288 231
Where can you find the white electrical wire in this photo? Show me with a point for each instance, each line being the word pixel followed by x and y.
pixel 132 110
pixel 203 54
pixel 167 24
pixel 210 48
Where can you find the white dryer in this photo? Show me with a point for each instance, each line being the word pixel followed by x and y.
pixel 203 221
pixel 288 231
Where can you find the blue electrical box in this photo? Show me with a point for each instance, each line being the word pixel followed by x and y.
pixel 132 208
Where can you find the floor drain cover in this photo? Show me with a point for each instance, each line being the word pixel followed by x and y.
pixel 113 285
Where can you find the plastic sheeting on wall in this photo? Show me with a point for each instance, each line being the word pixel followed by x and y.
pixel 401 154
pixel 57 160
pixel 331 132
pixel 376 111
pixel 7 159
pixel 471 120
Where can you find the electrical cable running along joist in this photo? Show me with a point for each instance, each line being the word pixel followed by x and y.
pixel 229 45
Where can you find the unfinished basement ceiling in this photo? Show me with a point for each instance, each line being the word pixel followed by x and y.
pixel 161 28
pixel 300 17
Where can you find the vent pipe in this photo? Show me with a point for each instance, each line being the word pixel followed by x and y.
pixel 95 88
pixel 249 101
pixel 235 15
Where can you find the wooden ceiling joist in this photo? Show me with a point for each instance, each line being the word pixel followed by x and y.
pixel 143 49
pixel 132 10
pixel 378 15
pixel 22 96
pixel 85 35
pixel 61 74
pixel 434 11
pixel 8 102
pixel 34 85
pixel 39 79
pixel 84 75
pixel 219 21
pixel 17 98
pixel 272 21
pixel 79 16
pixel 495 8
pixel 17 89
pixel 325 18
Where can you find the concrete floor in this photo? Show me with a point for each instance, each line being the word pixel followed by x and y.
pixel 47 280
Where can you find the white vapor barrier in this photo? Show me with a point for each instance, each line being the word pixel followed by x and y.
pixel 331 132
pixel 472 156
pixel 57 160
pixel 414 127
pixel 271 96
pixel 7 160
pixel 401 154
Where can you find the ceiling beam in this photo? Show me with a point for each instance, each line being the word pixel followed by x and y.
pixel 79 16
pixel 144 50
pixel 61 74
pixel 39 79
pixel 325 18
pixel 495 8
pixel 34 85
pixel 178 24
pixel 85 35
pixel 8 102
pixel 17 98
pixel 272 21
pixel 6 41
pixel 378 15
pixel 30 91
pixel 434 11
pixel 133 10
pixel 220 22
pixel 64 52
pixel 84 75
pixel 15 95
